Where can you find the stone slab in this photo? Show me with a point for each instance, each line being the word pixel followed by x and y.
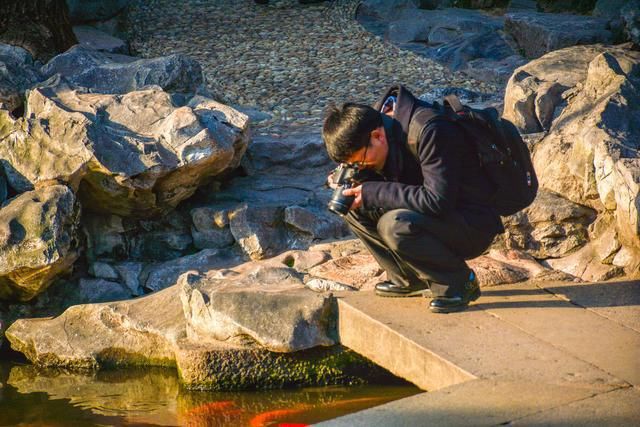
pixel 477 342
pixel 617 408
pixel 474 403
pixel 618 301
pixel 581 333
pixel 388 347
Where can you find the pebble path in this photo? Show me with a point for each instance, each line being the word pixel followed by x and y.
pixel 286 59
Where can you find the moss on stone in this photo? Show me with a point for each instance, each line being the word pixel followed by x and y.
pixel 115 357
pixel 241 369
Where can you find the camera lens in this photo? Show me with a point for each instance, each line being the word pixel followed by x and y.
pixel 340 203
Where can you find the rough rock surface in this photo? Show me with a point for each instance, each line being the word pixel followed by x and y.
pixel 152 331
pixel 586 265
pixel 491 272
pixel 119 74
pixel 159 276
pixel 37 240
pixel 536 92
pixel 540 33
pixel 101 290
pixel 210 228
pixel 266 305
pixel 360 271
pixel 17 74
pixel 630 14
pixel 590 153
pixel 465 40
pixel 275 207
pixel 608 8
pixel 94 39
pixel 133 155
pixel 550 227
pixel 117 238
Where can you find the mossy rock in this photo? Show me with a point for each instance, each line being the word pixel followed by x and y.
pixel 246 369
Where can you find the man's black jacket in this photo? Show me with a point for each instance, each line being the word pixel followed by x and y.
pixel 447 177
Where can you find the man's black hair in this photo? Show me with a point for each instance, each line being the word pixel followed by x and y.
pixel 347 129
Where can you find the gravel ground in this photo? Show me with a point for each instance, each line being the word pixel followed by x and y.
pixel 287 59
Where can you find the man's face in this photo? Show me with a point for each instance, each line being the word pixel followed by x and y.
pixel 374 155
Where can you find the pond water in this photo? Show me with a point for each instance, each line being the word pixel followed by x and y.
pixel 153 397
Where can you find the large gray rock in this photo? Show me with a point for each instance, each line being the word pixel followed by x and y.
pixel 117 238
pixel 37 240
pixel 590 155
pixel 101 290
pixel 540 33
pixel 259 230
pixel 293 150
pixel 95 39
pixel 94 10
pixel 586 265
pixel 551 227
pixel 317 223
pixel 269 306
pixel 118 74
pixel 105 236
pixel 275 207
pixel 461 39
pixel 159 276
pixel 17 74
pixel 132 155
pixel 129 273
pixel 536 92
pixel 153 331
pixel 608 8
pixel 210 228
pixel 439 28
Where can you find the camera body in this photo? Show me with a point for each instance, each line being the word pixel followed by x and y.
pixel 343 177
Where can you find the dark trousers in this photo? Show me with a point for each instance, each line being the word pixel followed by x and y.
pixel 414 248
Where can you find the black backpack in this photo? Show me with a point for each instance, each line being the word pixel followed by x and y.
pixel 503 154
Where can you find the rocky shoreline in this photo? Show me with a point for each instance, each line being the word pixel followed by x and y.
pixel 175 200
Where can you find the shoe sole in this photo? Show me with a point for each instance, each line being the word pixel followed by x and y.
pixel 458 308
pixel 419 293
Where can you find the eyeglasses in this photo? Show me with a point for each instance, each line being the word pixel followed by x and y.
pixel 361 164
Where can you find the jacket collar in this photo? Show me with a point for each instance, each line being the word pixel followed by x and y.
pixel 404 107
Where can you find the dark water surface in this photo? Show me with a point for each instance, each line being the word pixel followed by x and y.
pixel 153 397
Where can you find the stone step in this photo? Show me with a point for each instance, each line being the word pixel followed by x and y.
pixel 491 403
pixel 522 352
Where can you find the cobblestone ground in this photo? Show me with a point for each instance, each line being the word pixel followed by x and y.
pixel 287 59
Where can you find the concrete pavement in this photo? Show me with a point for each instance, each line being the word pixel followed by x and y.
pixel 528 354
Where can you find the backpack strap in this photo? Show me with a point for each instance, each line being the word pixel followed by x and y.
pixel 454 102
pixel 420 118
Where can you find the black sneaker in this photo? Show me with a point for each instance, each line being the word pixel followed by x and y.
pixel 458 303
pixel 390 289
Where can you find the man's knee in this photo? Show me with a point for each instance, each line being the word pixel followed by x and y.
pixel 396 225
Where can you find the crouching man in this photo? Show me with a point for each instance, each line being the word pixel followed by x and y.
pixel 425 213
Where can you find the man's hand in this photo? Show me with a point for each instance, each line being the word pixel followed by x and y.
pixel 355 191
pixel 330 182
